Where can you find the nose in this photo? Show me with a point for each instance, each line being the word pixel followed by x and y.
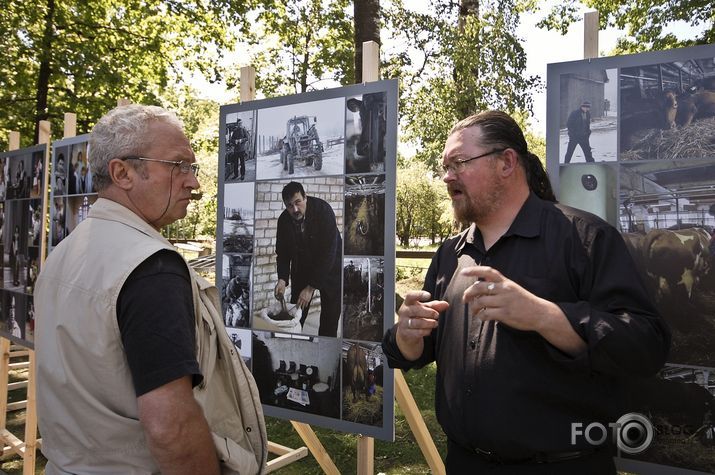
pixel 193 181
pixel 449 176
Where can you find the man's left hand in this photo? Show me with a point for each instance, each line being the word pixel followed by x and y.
pixel 305 297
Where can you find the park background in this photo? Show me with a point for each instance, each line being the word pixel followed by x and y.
pixel 451 58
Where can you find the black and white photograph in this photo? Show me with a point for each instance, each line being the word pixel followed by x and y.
pixel 240 140
pixel 3 177
pixel 590 187
pixel 77 210
pixel 16 237
pixel 38 174
pixel 362 367
pixel 19 177
pixel 365 215
pixel 298 372
pixel 14 314
pixel 58 221
pixel 241 340
pixel 301 140
pixel 363 298
pixel 588 114
pixel 668 110
pixel 667 216
pixel 238 218
pixel 61 159
pixel 365 129
pixel 236 290
pixel 299 255
pixel 79 176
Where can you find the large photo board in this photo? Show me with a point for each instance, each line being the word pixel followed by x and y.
pixel 305 251
pixel 632 140
pixel 22 192
pixel 72 189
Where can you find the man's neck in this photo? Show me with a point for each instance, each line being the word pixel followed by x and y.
pixel 493 227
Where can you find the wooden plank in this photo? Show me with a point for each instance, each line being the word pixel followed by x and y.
pixel 366 455
pixel 14 444
pixel 278 449
pixel 28 463
pixel 291 456
pixel 13 140
pixel 4 373
pixel 316 448
pixel 17 385
pixel 45 131
pixel 18 353
pixel 370 61
pixel 20 365
pixel 590 35
pixel 16 406
pixel 417 424
pixel 248 83
pixel 123 101
pixel 70 125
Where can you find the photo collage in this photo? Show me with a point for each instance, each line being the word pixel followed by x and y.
pixel 302 223
pixel 637 147
pixel 72 190
pixel 21 204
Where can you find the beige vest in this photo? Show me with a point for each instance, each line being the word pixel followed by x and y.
pixel 86 404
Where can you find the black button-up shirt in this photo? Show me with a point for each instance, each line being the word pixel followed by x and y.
pixel 510 391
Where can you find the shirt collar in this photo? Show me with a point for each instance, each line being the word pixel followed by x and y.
pixel 526 224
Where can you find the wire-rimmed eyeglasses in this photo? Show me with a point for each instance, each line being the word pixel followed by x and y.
pixel 457 166
pixel 184 167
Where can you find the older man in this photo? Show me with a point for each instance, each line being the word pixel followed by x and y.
pixel 534 315
pixel 131 378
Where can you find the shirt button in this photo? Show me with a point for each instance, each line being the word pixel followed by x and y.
pixel 469 392
pixel 473 344
pixel 248 429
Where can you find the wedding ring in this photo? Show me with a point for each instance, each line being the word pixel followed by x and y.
pixel 409 323
pixel 491 287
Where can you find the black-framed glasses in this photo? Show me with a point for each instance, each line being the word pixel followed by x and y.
pixel 184 167
pixel 458 166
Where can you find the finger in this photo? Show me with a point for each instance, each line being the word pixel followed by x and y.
pixel 419 325
pixel 414 296
pixel 483 273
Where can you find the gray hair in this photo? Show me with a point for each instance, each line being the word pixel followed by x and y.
pixel 120 133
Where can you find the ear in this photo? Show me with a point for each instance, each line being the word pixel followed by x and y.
pixel 122 173
pixel 509 162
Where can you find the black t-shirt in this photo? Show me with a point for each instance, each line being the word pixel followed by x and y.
pixel 155 313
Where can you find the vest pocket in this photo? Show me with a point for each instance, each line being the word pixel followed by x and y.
pixel 234 458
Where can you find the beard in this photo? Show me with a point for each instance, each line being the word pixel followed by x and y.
pixel 481 202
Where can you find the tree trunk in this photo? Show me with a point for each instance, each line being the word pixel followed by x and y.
pixel 43 77
pixel 467 8
pixel 366 19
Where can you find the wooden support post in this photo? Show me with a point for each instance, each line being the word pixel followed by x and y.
pixel 316 448
pixel 123 101
pixel 417 424
pixel 366 455
pixel 13 140
pixel 70 125
pixel 286 456
pixel 45 132
pixel 590 35
pixel 370 61
pixel 28 465
pixel 4 376
pixel 248 83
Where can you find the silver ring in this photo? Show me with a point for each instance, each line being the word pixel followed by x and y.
pixel 491 287
pixel 409 323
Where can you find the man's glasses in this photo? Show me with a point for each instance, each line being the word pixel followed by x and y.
pixel 457 166
pixel 184 167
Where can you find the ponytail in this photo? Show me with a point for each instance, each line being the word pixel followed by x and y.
pixel 537 178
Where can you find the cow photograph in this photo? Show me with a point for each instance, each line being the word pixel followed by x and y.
pixel 365 129
pixel 298 372
pixel 238 218
pixel 667 216
pixel 588 110
pixel 362 382
pixel 236 289
pixel 365 215
pixel 239 162
pixel 363 298
pixel 667 110
pixel 301 140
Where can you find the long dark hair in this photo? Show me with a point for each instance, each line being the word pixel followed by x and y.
pixel 499 129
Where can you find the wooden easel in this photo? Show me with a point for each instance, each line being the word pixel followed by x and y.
pixel 11 444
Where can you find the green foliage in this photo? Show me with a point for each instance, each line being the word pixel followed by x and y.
pixel 63 56
pixel 645 21
pixel 303 42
